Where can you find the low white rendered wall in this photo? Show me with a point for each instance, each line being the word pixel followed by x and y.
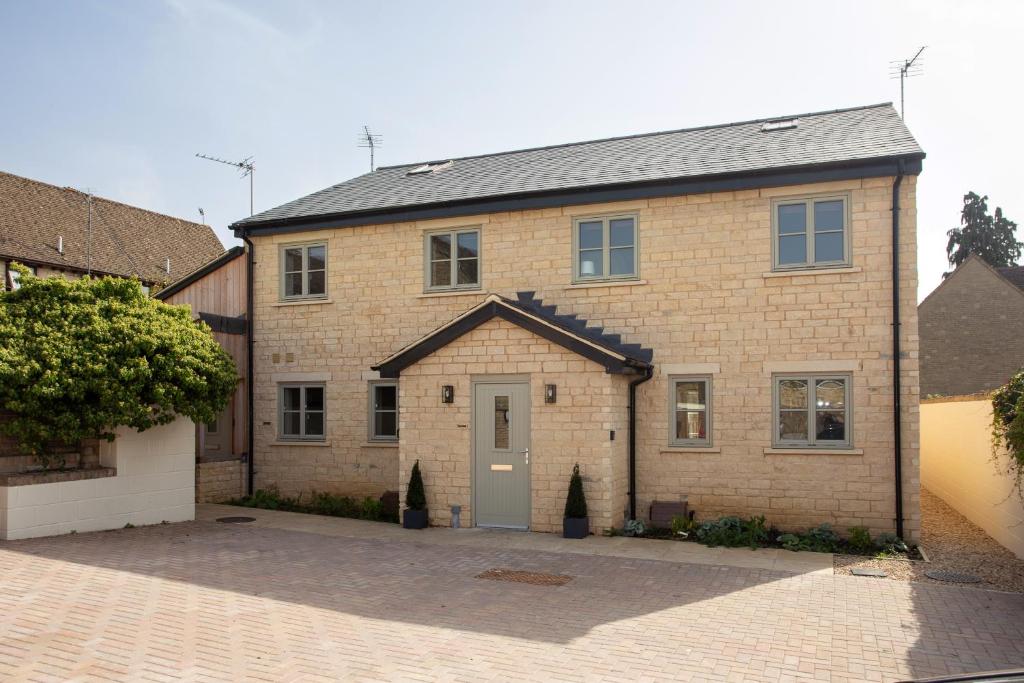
pixel 957 466
pixel 155 482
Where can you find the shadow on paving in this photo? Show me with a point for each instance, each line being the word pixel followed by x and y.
pixel 688 609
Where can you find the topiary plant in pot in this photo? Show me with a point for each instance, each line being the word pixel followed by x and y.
pixel 415 515
pixel 576 524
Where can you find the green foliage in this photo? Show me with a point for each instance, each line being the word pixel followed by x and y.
pixel 683 526
pixel 80 358
pixel 576 501
pixel 991 238
pixel 820 539
pixel 889 544
pixel 320 503
pixel 733 532
pixel 860 539
pixel 635 527
pixel 1008 427
pixel 415 497
pixel 791 542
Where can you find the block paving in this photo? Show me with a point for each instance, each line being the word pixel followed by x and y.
pixel 204 601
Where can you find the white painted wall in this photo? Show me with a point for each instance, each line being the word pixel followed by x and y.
pixel 957 466
pixel 155 482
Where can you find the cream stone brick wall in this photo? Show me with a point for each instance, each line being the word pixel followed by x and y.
pixel 706 294
pixel 219 481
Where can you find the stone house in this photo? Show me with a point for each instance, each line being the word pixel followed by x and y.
pixel 972 330
pixel 703 314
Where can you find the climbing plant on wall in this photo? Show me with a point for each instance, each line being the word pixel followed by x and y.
pixel 1008 426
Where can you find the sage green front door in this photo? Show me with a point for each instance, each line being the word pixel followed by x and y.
pixel 501 449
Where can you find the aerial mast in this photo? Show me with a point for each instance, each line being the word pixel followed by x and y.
pixel 247 167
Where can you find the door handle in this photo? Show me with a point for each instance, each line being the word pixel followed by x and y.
pixel 526 455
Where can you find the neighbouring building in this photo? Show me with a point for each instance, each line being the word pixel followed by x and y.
pixel 62 231
pixel 972 330
pixel 496 318
pixel 216 294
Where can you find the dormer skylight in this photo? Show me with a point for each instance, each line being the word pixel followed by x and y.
pixel 779 124
pixel 431 167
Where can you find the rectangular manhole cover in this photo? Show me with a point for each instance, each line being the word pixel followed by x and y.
pixel 532 578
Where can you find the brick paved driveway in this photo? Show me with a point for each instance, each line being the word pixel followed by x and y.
pixel 206 601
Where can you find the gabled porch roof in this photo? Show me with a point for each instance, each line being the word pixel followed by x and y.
pixel 567 330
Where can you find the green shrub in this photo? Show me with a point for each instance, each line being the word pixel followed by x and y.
pixel 820 539
pixel 683 526
pixel 576 500
pixel 415 497
pixel 860 540
pixel 635 527
pixel 1008 427
pixel 725 531
pixel 889 544
pixel 791 542
pixel 80 358
pixel 320 503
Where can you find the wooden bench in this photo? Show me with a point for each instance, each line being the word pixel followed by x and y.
pixel 662 512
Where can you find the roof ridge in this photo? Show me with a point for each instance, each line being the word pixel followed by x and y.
pixel 641 135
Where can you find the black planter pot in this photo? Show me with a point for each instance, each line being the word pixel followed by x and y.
pixel 575 527
pixel 414 519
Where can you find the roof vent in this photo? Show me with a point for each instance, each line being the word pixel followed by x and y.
pixel 779 124
pixel 432 167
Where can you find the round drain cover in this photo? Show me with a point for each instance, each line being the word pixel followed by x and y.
pixel 952 577
pixel 236 520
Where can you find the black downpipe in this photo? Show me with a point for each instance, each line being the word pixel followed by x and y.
pixel 249 378
pixel 648 373
pixel 896 404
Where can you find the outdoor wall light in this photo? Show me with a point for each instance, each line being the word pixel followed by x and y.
pixel 447 394
pixel 550 393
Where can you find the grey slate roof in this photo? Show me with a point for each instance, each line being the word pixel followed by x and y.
pixel 1014 274
pixel 844 135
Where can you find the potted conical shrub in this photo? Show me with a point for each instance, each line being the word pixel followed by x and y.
pixel 415 515
pixel 576 524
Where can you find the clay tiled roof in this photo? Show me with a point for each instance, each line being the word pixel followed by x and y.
pixel 126 240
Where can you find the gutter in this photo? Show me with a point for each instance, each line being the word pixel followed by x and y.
pixel 250 268
pixel 897 409
pixel 648 374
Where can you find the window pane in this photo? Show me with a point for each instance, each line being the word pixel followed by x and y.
pixel 828 246
pixel 318 282
pixel 290 396
pixel 317 258
pixel 793 425
pixel 792 218
pixel 291 424
pixel 468 271
pixel 591 235
pixel 691 425
pixel 314 398
pixel 385 397
pixel 468 244
pixel 293 284
pixel 621 261
pixel 591 263
pixel 691 410
pixel 441 274
pixel 211 427
pixel 501 422
pixel 314 424
pixel 793 394
pixel 621 233
pixel 828 215
pixel 440 247
pixel 385 424
pixel 792 249
pixel 830 425
pixel 831 394
pixel 691 396
pixel 292 260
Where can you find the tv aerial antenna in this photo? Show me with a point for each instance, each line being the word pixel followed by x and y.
pixel 246 166
pixel 370 141
pixel 904 69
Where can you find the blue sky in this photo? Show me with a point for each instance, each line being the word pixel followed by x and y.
pixel 118 96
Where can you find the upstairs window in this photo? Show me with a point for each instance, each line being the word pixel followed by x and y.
pixel 453 259
pixel 811 232
pixel 605 248
pixel 301 412
pixel 304 271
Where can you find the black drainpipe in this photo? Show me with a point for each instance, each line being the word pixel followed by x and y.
pixel 897 434
pixel 249 378
pixel 648 373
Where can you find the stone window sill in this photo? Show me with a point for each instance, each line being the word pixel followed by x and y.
pixel 314 444
pixel 380 444
pixel 607 283
pixel 450 292
pixel 799 272
pixel 814 451
pixel 691 449
pixel 303 302
pixel 32 478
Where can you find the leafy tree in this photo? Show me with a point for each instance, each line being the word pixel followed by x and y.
pixel 576 501
pixel 991 238
pixel 415 497
pixel 80 358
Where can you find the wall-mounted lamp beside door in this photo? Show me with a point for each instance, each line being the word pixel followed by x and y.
pixel 550 393
pixel 447 394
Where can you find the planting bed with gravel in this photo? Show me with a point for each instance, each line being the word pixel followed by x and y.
pixel 952 543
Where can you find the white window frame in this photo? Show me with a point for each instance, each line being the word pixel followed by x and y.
pixel 812 378
pixel 302 436
pixel 453 235
pixel 605 220
pixel 673 440
pixel 809 259
pixel 372 410
pixel 305 247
